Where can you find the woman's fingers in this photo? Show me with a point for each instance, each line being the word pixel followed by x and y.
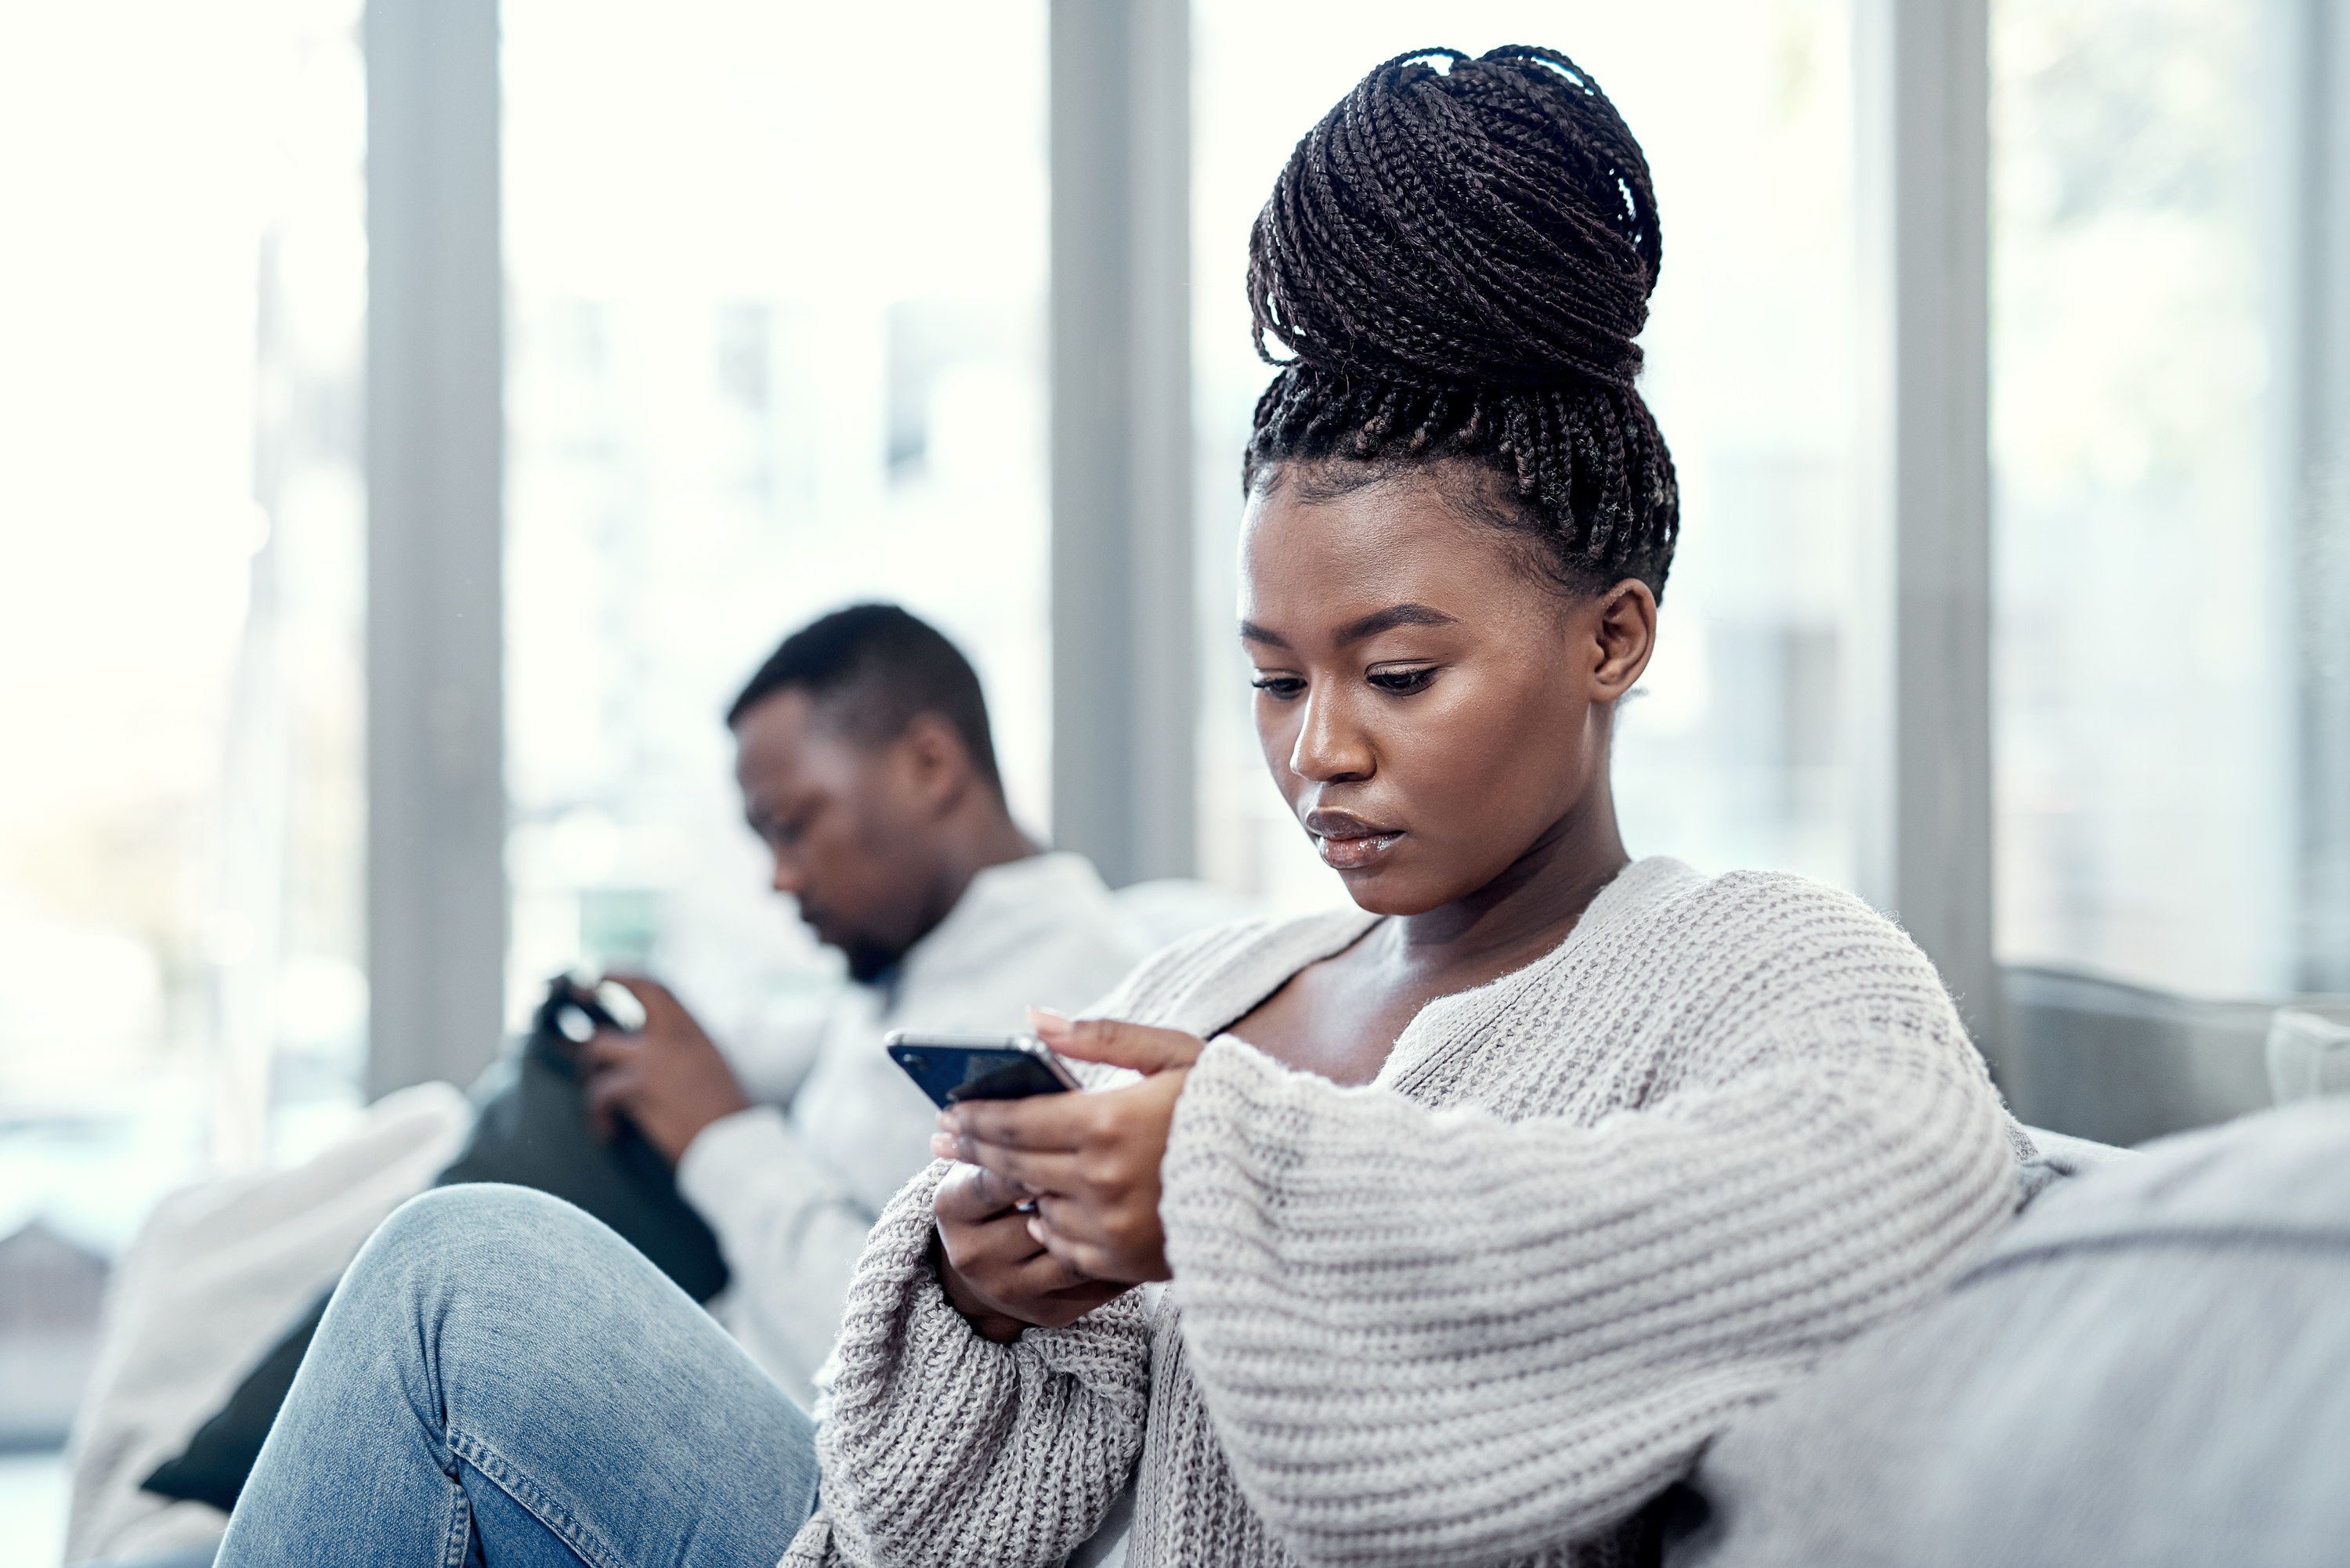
pixel 974 1194
pixel 1033 1170
pixel 1040 1142
pixel 1044 1274
pixel 1078 1238
pixel 1068 1255
pixel 1041 1121
pixel 997 1275
pixel 1110 1231
pixel 1000 1195
pixel 1092 1159
pixel 1120 1045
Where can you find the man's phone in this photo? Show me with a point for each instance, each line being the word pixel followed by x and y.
pixel 952 1067
pixel 579 1007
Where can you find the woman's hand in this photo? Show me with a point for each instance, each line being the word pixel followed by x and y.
pixel 995 1274
pixel 1091 1159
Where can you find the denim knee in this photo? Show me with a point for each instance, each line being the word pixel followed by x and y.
pixel 441 1215
pixel 476 1222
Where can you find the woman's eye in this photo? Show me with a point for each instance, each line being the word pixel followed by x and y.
pixel 1282 686
pixel 1402 681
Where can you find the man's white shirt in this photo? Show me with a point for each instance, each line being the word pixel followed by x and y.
pixel 792 1192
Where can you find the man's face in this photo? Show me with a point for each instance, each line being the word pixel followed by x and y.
pixel 840 816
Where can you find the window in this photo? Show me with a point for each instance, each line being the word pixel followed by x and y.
pixel 775 345
pixel 2144 646
pixel 181 308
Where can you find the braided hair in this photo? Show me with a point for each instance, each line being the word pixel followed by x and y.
pixel 1458 261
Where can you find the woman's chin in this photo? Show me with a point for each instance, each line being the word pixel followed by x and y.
pixel 1389 874
pixel 1389 889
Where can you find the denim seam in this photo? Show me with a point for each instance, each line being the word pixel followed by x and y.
pixel 575 1533
pixel 2296 1241
pixel 461 1527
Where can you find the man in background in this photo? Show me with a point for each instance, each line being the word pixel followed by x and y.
pixel 867 767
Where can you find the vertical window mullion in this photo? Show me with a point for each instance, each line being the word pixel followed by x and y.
pixel 1124 687
pixel 436 902
pixel 1922 693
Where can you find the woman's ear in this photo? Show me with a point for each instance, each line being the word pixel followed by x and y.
pixel 1625 636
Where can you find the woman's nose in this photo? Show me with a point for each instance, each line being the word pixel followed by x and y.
pixel 1330 747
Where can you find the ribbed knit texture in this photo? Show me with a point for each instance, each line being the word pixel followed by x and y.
pixel 1480 1311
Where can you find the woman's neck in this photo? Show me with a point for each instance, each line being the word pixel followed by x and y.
pixel 1527 910
pixel 1341 1016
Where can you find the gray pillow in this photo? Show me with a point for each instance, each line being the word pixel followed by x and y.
pixel 2151 1367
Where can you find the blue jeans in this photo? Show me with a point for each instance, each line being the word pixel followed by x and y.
pixel 500 1378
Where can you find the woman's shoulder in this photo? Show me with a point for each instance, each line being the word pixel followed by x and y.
pixel 1660 892
pixel 1203 982
pixel 1748 921
pixel 1703 977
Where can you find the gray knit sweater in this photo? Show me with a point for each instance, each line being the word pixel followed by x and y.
pixel 1479 1311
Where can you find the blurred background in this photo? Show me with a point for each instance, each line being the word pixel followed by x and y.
pixel 692 321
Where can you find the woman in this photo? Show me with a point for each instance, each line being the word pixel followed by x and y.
pixel 1484 1205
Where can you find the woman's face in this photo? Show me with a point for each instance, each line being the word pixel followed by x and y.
pixel 1430 711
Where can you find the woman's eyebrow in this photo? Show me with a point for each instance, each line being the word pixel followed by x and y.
pixel 1390 619
pixel 1361 628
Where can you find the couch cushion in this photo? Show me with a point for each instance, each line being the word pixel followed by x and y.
pixel 2151 1367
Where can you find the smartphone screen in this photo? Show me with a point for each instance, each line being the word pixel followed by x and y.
pixel 949 1068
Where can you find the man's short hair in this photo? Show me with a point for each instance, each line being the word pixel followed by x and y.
pixel 869 669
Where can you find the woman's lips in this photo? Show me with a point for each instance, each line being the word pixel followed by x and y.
pixel 1347 843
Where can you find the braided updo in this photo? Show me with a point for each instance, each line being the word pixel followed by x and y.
pixel 1458 261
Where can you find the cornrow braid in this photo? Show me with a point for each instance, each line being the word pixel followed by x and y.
pixel 1458 261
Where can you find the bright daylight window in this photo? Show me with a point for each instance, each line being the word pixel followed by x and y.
pixel 775 345
pixel 1731 754
pixel 2144 644
pixel 182 319
pixel 179 830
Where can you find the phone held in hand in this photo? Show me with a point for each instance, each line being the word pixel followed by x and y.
pixel 952 1067
pixel 582 1006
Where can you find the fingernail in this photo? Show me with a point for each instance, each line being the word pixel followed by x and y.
pixel 1037 1232
pixel 1046 1020
pixel 942 1145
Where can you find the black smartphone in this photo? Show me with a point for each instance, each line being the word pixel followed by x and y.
pixel 952 1067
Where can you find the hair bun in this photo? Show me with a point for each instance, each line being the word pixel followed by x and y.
pixel 1491 224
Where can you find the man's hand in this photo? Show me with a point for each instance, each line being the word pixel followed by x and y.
pixel 1092 1159
pixel 997 1275
pixel 667 1077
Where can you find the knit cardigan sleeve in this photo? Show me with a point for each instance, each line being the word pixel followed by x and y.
pixel 940 1449
pixel 944 1449
pixel 1438 1337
